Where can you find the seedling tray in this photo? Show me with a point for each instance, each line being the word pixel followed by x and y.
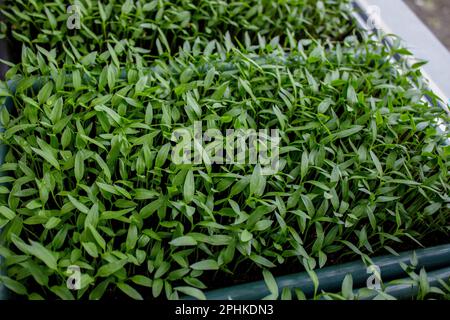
pixel 434 259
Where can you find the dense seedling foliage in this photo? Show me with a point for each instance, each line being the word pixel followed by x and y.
pixel 88 179
pixel 163 26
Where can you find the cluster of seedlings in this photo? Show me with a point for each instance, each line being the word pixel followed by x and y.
pixel 88 115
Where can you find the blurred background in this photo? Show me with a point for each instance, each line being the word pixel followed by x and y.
pixel 436 15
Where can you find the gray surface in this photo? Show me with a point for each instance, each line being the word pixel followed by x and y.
pixel 436 15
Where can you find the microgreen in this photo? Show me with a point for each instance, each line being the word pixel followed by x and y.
pixel 88 179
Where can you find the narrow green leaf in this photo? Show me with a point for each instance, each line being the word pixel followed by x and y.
pixel 48 156
pixel 7 213
pixel 129 291
pixel 183 241
pixel 271 284
pixel 193 292
pixel 110 268
pixel 205 265
pixel 189 187
pixel 43 254
pixel 98 238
